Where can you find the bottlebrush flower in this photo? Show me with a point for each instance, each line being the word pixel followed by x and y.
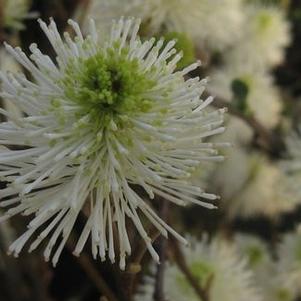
pixel 289 266
pixel 263 98
pixel 216 266
pixel 292 164
pixel 261 263
pixel 254 249
pixel 266 34
pixel 108 117
pixel 256 174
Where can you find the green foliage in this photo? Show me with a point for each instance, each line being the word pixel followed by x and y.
pixel 255 255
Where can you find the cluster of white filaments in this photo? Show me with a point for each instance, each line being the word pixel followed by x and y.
pixel 82 150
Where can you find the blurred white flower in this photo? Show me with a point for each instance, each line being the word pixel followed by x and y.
pixel 291 165
pixel 14 13
pixel 259 261
pixel 217 263
pixel 263 98
pixel 239 134
pixel 104 11
pixel 213 24
pixel 266 34
pixel 257 253
pixel 253 187
pixel 293 146
pixel 264 267
pixel 109 116
pixel 289 266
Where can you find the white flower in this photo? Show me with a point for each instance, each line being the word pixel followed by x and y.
pixel 15 11
pixel 214 24
pixel 266 34
pixel 289 266
pixel 263 98
pixel 239 134
pixel 218 261
pixel 253 187
pixel 265 192
pixel 254 249
pixel 293 146
pixel 259 261
pixel 266 272
pixel 291 166
pixel 109 116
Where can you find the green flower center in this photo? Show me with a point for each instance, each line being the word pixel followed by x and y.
pixel 264 21
pixel 283 294
pixel 108 85
pixel 255 255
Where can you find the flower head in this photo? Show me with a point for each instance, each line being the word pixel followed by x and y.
pixel 266 35
pixel 289 266
pixel 254 188
pixel 262 100
pixel 261 263
pixel 201 21
pixel 108 117
pixel 254 249
pixel 216 266
pixel 291 166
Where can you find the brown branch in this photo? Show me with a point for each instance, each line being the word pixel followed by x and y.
pixel 11 283
pixel 85 263
pixel 3 35
pixel 134 265
pixel 141 248
pixel 267 140
pixel 82 11
pixel 181 262
pixel 159 285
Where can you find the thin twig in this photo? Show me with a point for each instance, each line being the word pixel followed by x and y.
pixel 267 139
pixel 10 272
pixel 159 285
pixel 141 248
pixel 85 263
pixel 134 265
pixel 181 262
pixel 82 11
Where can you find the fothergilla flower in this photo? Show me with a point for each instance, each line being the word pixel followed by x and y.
pixel 105 118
